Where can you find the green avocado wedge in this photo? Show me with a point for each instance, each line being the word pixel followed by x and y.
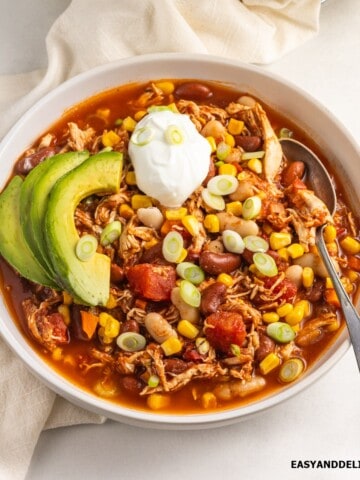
pixel 57 166
pixel 13 246
pixel 88 281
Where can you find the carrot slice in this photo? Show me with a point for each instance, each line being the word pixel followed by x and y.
pixel 89 322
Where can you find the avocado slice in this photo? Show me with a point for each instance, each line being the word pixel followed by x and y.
pixel 13 246
pixel 56 167
pixel 88 281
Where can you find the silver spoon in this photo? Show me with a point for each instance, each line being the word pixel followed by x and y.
pixel 320 182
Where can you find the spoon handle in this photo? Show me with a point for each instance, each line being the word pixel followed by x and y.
pixel 351 315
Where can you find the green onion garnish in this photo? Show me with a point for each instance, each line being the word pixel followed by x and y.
pixel 250 155
pixel 110 233
pixel 223 150
pixel 191 272
pixel 190 294
pixel 213 201
pixel 285 133
pixel 174 135
pixel 280 332
pixel 158 108
pixel 265 264
pixel 222 184
pixel 235 350
pixel 233 242
pixel 131 341
pixel 291 370
pixel 172 246
pixel 153 381
pixel 256 244
pixel 142 136
pixel 86 247
pixel 251 207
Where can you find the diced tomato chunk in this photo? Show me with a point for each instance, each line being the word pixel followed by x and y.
pixel 287 286
pixel 222 329
pixel 151 281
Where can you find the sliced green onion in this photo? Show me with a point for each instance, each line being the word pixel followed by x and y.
pixel 235 350
pixel 131 341
pixel 158 108
pixel 280 332
pixel 86 247
pixel 265 264
pixel 153 381
pixel 233 242
pixel 172 246
pixel 285 133
pixel 256 244
pixel 118 122
pixel 110 233
pixel 213 201
pixel 190 294
pixel 223 150
pixel 191 272
pixel 291 370
pixel 142 136
pixel 223 184
pixel 251 207
pixel 174 135
pixel 250 155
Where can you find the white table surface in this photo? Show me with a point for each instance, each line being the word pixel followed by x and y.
pixel 321 423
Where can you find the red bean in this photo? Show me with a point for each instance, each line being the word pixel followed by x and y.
pixel 292 172
pixel 216 263
pixel 250 143
pixel 116 273
pixel 174 366
pixel 193 91
pixel 266 346
pixel 25 164
pixel 130 326
pixel 212 297
pixel 131 384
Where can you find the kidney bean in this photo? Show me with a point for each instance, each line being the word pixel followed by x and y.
pixel 131 384
pixel 250 143
pixel 158 327
pixel 216 263
pixel 174 365
pixel 266 346
pixel 130 326
pixel 292 172
pixel 212 297
pixel 116 273
pixel 315 293
pixel 211 173
pixel 25 164
pixel 76 329
pixel 153 255
pixel 193 91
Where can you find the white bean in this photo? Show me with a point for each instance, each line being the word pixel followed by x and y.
pixel 187 312
pixel 294 273
pixel 158 327
pixel 237 224
pixel 214 128
pixel 315 262
pixel 247 101
pixel 150 217
pixel 237 388
pixel 244 190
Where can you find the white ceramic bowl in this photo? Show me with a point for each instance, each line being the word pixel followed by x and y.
pixel 277 93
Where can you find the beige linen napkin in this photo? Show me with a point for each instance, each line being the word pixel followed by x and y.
pixel 90 33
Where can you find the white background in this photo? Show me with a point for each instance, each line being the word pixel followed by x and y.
pixel 323 422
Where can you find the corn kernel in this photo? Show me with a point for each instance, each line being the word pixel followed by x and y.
pixel 65 312
pixel 111 303
pixel 110 138
pixel 270 317
pixel 166 87
pixel 285 309
pixel 158 401
pixel 295 316
pixel 270 362
pixel 187 329
pixel 111 326
pixel 150 243
pixel 352 275
pixel 67 298
pixel 306 305
pixel 172 106
pixel 334 325
pixel 139 115
pixel 279 240
pixel 329 233
pixel 332 248
pixel 191 224
pixel 227 169
pixel 57 354
pixel 295 250
pixel 103 113
pixel 242 176
pixel 126 211
pixel 229 140
pixel 212 142
pixel 176 213
pixel 328 283
pixel 255 165
pixel 283 253
pixel 171 346
pixel 296 327
pixel 226 279
pixel 307 277
pixel 234 207
pixel 235 126
pixel 140 201
pixel 129 124
pixel 212 223
pixel 347 284
pixel 350 245
pixel 208 400
pixel 130 178
pixel 182 255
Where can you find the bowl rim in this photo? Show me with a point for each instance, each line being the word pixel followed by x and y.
pixel 56 382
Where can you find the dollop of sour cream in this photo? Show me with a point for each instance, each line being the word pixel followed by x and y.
pixel 170 157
